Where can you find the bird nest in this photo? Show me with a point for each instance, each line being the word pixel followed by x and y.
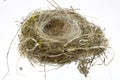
pixel 61 37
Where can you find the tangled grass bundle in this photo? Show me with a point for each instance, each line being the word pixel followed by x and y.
pixel 61 37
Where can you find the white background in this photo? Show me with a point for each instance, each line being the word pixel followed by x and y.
pixel 105 13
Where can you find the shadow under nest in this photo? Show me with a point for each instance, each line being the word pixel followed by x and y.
pixel 61 37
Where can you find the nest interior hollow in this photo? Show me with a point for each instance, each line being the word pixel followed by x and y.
pixel 61 37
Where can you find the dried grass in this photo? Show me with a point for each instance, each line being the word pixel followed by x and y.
pixel 60 37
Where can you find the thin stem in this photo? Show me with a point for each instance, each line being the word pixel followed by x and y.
pixel 45 71
pixel 8 54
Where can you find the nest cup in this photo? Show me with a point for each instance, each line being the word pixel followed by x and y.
pixel 61 37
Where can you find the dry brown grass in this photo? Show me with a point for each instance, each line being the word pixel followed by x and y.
pixel 60 37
